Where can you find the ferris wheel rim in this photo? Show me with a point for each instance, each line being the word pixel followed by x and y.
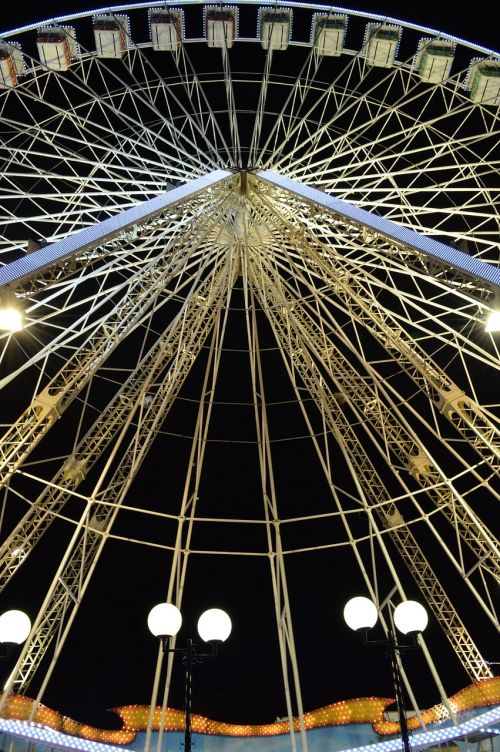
pixel 278 3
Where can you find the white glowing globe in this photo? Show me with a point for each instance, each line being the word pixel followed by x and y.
pixel 164 620
pixel 214 624
pixel 360 613
pixel 410 616
pixel 15 626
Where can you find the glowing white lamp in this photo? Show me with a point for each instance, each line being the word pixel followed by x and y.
pixel 493 322
pixel 11 318
pixel 410 617
pixel 214 625
pixel 11 311
pixel 164 620
pixel 360 613
pixel 15 627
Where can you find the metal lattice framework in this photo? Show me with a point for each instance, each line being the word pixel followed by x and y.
pixel 148 202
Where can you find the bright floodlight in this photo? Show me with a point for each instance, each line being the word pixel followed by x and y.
pixel 360 613
pixel 410 616
pixel 11 319
pixel 15 626
pixel 214 624
pixel 11 311
pixel 493 322
pixel 164 620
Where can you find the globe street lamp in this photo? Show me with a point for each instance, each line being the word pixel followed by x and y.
pixel 410 618
pixel 214 627
pixel 15 627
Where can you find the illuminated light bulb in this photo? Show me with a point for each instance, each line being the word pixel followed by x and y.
pixel 493 322
pixel 15 626
pixel 214 625
pixel 11 312
pixel 360 613
pixel 410 617
pixel 164 620
pixel 11 319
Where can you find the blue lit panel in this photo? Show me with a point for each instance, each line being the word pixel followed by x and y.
pixel 479 270
pixel 101 232
pixel 420 740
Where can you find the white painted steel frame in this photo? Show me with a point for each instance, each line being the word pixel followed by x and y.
pixel 361 398
pixel 102 232
pixel 408 240
pixel 307 265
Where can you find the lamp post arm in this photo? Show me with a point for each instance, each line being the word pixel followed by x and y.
pixel 166 648
pixel 389 641
pixel 184 651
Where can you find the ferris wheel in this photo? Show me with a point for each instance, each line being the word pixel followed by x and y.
pixel 194 199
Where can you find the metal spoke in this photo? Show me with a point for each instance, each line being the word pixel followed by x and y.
pixel 264 274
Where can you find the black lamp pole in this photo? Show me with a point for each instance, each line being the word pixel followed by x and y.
pixel 410 618
pixel 395 651
pixel 191 656
pixel 187 695
pixel 214 627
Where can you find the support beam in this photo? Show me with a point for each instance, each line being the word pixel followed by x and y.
pixel 408 239
pixel 91 237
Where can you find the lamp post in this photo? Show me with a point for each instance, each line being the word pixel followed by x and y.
pixel 214 627
pixel 410 618
pixel 15 627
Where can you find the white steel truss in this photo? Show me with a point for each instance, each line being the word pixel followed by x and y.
pixel 331 225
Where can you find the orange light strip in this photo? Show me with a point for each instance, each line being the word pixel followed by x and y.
pixel 362 710
pixel 478 695
pixel 19 707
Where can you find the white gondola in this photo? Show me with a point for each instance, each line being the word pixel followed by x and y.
pixel 57 47
pixel 381 44
pixel 275 27
pixel 11 64
pixel 328 33
pixel 483 81
pixel 220 26
pixel 434 59
pixel 166 28
pixel 111 34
